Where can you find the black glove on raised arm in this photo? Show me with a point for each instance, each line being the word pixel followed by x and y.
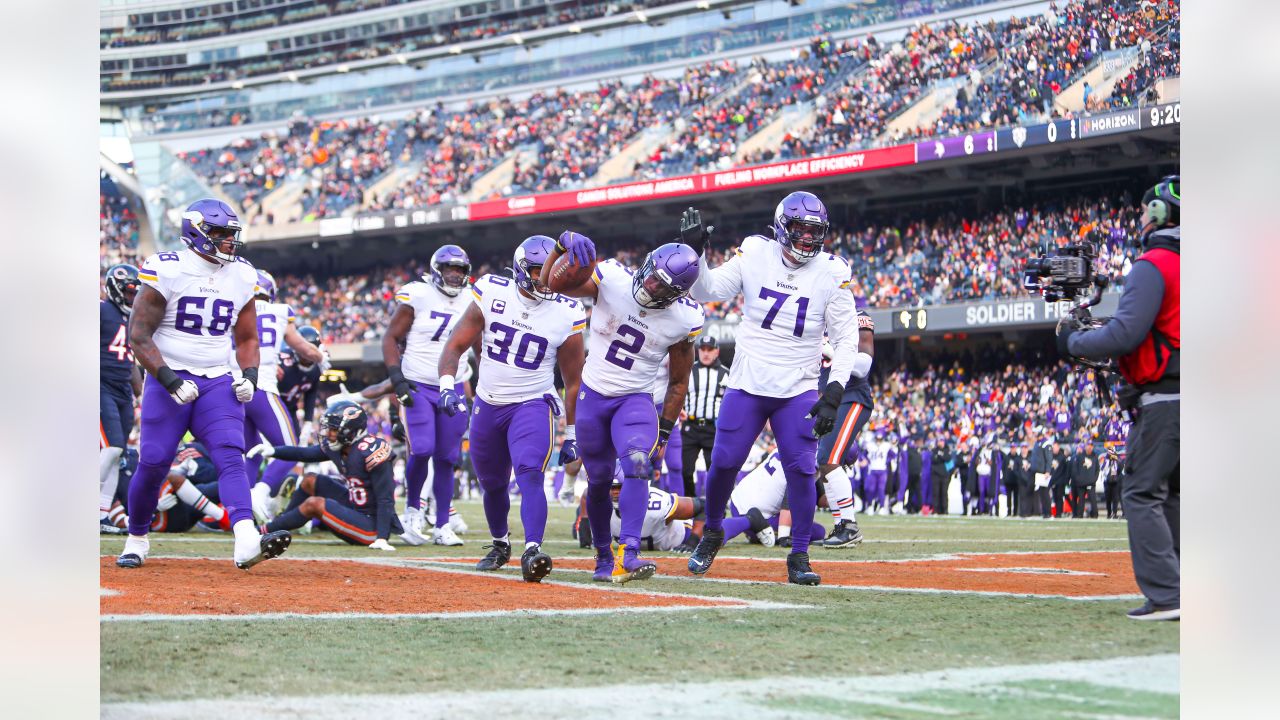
pixel 693 233
pixel 824 411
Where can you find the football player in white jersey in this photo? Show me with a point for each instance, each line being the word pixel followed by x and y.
pixel 426 314
pixel 792 293
pixel 191 304
pixel 666 519
pixel 638 319
pixel 525 331
pixel 266 415
pixel 759 504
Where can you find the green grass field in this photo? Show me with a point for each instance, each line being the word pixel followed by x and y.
pixel 854 644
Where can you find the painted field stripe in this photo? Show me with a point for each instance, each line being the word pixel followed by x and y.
pixel 574 543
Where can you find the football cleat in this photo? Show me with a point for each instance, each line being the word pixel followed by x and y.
pixel 456 523
pixel 130 561
pixel 629 566
pixel 798 570
pixel 413 519
pixel 1152 612
pixel 105 527
pixel 134 553
pixel 604 565
pixel 784 541
pixel 271 545
pixel 445 536
pixel 412 537
pixel 584 533
pixel 760 526
pixel 497 557
pixel 844 534
pixel 705 554
pixel 534 564
pixel 688 546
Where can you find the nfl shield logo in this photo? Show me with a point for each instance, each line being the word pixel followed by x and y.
pixel 1019 136
pixel 524 316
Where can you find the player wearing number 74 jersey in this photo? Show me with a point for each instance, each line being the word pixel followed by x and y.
pixel 792 293
pixel 638 319
pixel 525 330
pixel 190 303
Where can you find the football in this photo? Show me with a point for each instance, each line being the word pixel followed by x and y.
pixel 565 275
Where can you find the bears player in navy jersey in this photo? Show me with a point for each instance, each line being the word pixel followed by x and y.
pixel 359 506
pixel 119 381
pixel 299 383
pixel 839 449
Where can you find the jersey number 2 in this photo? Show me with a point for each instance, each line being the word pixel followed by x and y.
pixel 629 340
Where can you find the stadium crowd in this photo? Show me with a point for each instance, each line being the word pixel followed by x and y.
pixel 117 227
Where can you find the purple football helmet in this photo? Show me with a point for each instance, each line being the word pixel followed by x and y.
pixel 207 225
pixel 800 224
pixel 667 275
pixel 450 269
pixel 266 286
pixel 530 256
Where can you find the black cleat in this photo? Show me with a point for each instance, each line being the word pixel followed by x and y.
pixel 534 564
pixel 705 554
pixel 270 545
pixel 497 557
pixel 784 541
pixel 689 545
pixel 798 570
pixel 129 561
pixel 584 533
pixel 844 534
pixel 105 527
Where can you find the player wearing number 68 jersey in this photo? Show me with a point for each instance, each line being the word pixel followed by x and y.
pixel 425 314
pixel 525 330
pixel 638 319
pixel 792 293
pixel 192 303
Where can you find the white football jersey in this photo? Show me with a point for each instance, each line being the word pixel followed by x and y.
pixel 202 302
pixel 878 455
pixel 434 315
pixel 785 312
pixel 763 488
pixel 662 505
pixel 627 342
pixel 273 320
pixel 520 341
pixel 662 380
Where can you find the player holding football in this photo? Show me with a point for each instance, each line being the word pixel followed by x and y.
pixel 792 293
pixel 638 319
pixel 190 305
pixel 266 415
pixel 426 314
pixel 119 382
pixel 525 331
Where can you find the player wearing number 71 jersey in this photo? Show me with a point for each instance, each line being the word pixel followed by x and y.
pixel 190 303
pixel 525 330
pixel 638 319
pixel 792 293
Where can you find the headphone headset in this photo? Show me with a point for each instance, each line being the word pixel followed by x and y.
pixel 1161 199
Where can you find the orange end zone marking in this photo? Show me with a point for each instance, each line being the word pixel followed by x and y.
pixel 216 587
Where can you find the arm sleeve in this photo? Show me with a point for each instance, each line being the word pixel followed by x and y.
pixel 297 453
pixel 1136 313
pixel 309 402
pixel 722 283
pixel 842 330
pixel 384 495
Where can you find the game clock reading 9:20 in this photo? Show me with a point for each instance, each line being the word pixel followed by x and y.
pixel 1166 115
pixel 916 319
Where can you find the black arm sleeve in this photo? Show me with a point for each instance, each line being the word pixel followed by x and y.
pixel 1135 315
pixel 297 453
pixel 309 402
pixel 384 496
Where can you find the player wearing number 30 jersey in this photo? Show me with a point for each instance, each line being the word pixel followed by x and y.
pixel 638 319
pixel 525 330
pixel 191 304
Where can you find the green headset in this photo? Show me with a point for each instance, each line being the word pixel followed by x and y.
pixel 1159 202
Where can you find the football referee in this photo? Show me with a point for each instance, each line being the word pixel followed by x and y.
pixel 702 407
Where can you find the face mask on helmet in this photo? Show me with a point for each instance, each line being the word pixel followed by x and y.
pixel 123 286
pixel 652 287
pixel 804 238
pixel 344 424
pixel 529 277
pixel 220 242
pixel 450 278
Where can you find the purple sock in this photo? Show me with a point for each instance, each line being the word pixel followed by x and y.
pixel 442 489
pixel 415 476
pixel 533 506
pixel 144 494
pixel 496 506
pixel 599 510
pixel 735 526
pixel 233 485
pixel 557 482
pixel 632 504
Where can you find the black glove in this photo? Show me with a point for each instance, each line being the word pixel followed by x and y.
pixel 689 545
pixel 397 430
pixel 824 411
pixel 1066 326
pixel 693 233
pixel 784 542
pixel 404 389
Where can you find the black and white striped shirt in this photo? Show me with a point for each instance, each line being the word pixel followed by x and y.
pixel 706 390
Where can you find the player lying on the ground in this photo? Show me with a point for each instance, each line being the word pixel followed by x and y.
pixel 361 509
pixel 665 527
pixel 759 504
pixel 189 494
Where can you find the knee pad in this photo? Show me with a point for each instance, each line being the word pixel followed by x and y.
pixel 636 464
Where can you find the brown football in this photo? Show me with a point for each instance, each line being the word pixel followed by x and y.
pixel 566 276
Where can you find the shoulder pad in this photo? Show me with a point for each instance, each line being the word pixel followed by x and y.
pixel 752 242
pixel 376 451
pixel 406 293
pixel 865 322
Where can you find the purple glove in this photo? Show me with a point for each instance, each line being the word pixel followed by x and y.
pixel 579 248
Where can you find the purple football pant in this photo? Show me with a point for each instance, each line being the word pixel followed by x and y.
pixel 877 482
pixel 216 418
pixel 673 481
pixel 267 415
pixel 435 441
pixel 985 496
pixel 616 429
pixel 742 417
pixel 503 436
pixel 738 524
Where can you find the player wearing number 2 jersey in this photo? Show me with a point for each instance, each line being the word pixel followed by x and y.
pixel 638 319
pixel 117 381
pixel 525 331
pixel 792 293
pixel 426 313
pixel 184 318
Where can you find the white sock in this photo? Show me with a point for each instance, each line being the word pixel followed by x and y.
pixel 108 478
pixel 839 491
pixel 530 544
pixel 504 539
pixel 248 539
pixel 784 531
pixel 192 496
pixel 138 545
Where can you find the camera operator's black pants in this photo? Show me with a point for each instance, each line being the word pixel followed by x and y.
pixel 697 437
pixel 1151 492
pixel 1112 491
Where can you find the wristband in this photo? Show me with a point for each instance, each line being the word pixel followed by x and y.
pixel 250 374
pixel 861 364
pixel 571 432
pixel 447 381
pixel 168 378
pixel 665 427
pixel 394 372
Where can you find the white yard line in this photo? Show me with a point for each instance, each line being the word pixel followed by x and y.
pixel 759 699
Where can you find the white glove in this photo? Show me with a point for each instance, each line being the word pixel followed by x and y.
pixel 187 392
pixel 186 468
pixel 308 433
pixel 244 389
pixel 380 544
pixel 325 364
pixel 264 450
pixel 828 352
pixel 166 502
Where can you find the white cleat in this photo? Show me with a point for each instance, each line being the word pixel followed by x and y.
pixel 457 524
pixel 884 510
pixel 260 500
pixel 268 546
pixel 412 537
pixel 445 536
pixel 134 553
pixel 413 520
